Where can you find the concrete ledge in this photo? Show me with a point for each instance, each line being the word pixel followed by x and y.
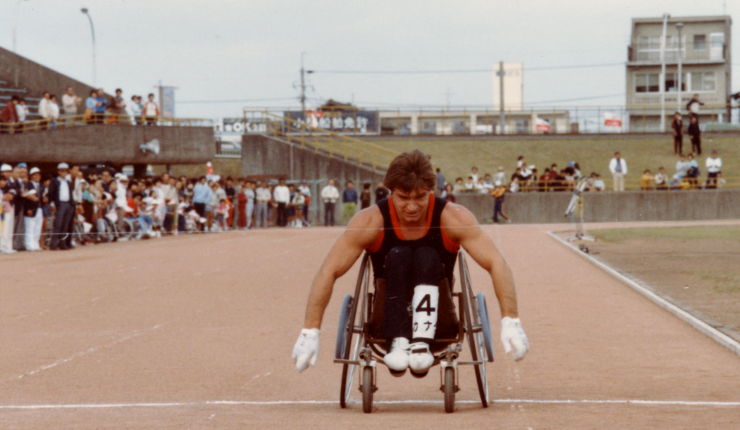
pixel 118 144
pixel 717 332
pixel 547 208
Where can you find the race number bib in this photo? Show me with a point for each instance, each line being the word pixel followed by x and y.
pixel 425 305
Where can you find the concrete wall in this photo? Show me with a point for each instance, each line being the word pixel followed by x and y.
pixel 262 155
pixel 528 208
pixel 116 144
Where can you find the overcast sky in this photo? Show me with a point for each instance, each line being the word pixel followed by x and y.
pixel 249 52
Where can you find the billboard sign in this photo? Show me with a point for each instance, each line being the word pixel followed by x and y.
pixel 344 121
pixel 239 126
pixel 167 101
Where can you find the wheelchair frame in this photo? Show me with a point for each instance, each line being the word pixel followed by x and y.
pixel 356 349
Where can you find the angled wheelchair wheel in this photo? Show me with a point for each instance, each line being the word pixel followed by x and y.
pixel 473 330
pixel 350 339
pixel 485 323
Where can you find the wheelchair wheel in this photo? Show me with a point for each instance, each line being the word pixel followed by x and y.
pixel 342 328
pixel 127 230
pixel 485 326
pixel 351 339
pixel 473 330
pixel 367 389
pixel 449 389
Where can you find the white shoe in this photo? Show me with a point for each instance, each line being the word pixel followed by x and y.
pixel 397 359
pixel 420 359
pixel 10 251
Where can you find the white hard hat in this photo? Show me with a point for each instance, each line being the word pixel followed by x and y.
pixel 6 168
pixel 34 170
pixel 62 166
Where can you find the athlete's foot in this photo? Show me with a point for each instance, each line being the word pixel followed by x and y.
pixel 397 358
pixel 420 359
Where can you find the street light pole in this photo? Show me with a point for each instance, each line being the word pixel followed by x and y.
pixel 679 26
pixel 15 22
pixel 661 78
pixel 92 29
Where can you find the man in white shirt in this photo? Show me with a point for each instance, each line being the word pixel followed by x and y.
pixel 69 102
pixel 714 167
pixel 306 192
pixel 250 194
pixel 329 195
pixel 618 167
pixel 474 174
pixel 263 199
pixel 45 109
pixel 281 194
pixel 7 200
pixel 661 180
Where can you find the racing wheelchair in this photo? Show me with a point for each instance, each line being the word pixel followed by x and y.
pixel 360 345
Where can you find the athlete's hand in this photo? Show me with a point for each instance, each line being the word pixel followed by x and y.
pixel 512 334
pixel 306 349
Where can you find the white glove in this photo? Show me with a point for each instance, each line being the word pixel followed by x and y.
pixel 306 349
pixel 512 334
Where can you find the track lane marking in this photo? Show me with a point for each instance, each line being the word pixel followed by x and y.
pixel 382 402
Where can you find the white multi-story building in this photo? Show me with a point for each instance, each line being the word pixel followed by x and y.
pixel 706 69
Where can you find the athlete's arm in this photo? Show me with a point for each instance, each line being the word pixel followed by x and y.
pixel 362 231
pixel 461 226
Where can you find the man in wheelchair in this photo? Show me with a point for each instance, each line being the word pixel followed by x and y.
pixel 413 239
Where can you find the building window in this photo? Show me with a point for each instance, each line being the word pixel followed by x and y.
pixel 671 84
pixel 648 48
pixel 647 83
pixel 700 42
pixel 705 81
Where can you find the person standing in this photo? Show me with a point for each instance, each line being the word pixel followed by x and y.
pixel 306 192
pixel 32 210
pixel 151 110
pixel 498 203
pixel 133 110
pixel 18 182
pixel 44 110
pixel 281 195
pixel 250 194
pixel 9 116
pixel 53 111
pixel 695 135
pixel 329 195
pixel 117 106
pixel 101 104
pixel 60 196
pixel 8 210
pixel 349 200
pixel 263 197
pixel 381 192
pixel 677 126
pixel 69 102
pixel 201 196
pixel 366 197
pixel 440 182
pixel 714 167
pixel 618 167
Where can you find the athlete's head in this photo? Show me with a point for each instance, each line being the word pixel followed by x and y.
pixel 410 178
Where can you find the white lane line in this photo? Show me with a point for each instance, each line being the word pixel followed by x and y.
pixel 386 402
pixel 695 322
pixel 88 351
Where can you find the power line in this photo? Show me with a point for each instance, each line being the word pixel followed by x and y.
pixel 576 100
pixel 236 101
pixel 430 72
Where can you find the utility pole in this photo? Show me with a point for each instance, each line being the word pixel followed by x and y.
pixel 679 26
pixel 661 78
pixel 502 114
pixel 302 86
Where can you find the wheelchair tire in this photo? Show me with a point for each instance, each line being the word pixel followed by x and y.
pixel 367 389
pixel 343 333
pixel 485 326
pixel 449 390
pixel 475 338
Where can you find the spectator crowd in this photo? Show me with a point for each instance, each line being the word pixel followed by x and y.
pixel 95 109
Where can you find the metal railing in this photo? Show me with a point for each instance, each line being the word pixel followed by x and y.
pixel 82 120
pixel 630 184
pixel 320 140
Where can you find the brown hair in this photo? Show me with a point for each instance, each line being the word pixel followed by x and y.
pixel 409 171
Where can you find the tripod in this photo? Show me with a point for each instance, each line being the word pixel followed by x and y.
pixel 576 209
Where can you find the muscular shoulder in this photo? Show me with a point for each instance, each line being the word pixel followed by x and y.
pixel 458 222
pixel 365 227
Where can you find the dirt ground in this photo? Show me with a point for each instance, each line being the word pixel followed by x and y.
pixel 196 332
pixel 702 274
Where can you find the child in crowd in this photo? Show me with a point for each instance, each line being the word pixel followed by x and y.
pixel 221 215
pixel 645 180
pixel 297 202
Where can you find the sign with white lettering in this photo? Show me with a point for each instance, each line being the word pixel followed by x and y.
pixel 344 121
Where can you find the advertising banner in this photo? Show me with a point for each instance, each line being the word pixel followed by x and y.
pixel 612 120
pixel 542 125
pixel 167 98
pixel 344 121
pixel 227 126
